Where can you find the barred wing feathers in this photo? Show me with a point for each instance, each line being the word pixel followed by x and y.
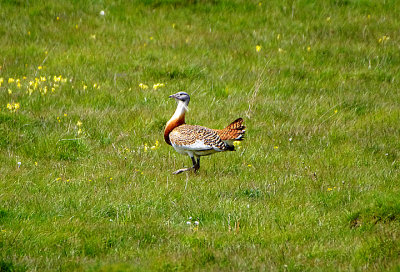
pixel 234 132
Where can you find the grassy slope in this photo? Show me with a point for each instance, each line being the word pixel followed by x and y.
pixel 328 199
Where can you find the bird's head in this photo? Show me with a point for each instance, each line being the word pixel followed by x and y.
pixel 181 96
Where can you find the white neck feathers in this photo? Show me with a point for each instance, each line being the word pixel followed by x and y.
pixel 180 111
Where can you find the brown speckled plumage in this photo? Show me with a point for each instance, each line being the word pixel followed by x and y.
pixel 185 135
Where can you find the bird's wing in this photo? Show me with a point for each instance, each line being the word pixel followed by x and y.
pixel 196 138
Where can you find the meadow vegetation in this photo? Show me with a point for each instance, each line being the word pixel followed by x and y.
pixel 86 178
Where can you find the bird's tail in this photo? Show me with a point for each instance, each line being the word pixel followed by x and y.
pixel 234 132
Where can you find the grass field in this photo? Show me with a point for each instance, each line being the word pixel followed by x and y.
pixel 85 175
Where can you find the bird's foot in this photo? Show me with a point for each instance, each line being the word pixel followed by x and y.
pixel 185 170
pixel 182 170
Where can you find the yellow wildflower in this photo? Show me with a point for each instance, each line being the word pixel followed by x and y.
pixel 40 67
pixel 13 107
pixel 11 80
pixel 308 49
pixel 158 85
pixel 258 48
pixel 79 123
pixel 156 146
pixel 335 111
pixel 143 86
pixel 383 39
pixel 329 189
pixel 9 91
pixel 276 147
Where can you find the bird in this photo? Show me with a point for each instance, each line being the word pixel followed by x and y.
pixel 197 141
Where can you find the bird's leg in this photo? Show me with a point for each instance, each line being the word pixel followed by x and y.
pixel 195 167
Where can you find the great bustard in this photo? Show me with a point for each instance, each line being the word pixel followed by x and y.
pixel 197 141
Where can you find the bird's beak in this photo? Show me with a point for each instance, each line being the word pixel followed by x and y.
pixel 172 96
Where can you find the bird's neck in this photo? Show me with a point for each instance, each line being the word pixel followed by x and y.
pixel 176 120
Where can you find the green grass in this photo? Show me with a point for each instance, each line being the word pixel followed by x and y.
pixel 315 185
